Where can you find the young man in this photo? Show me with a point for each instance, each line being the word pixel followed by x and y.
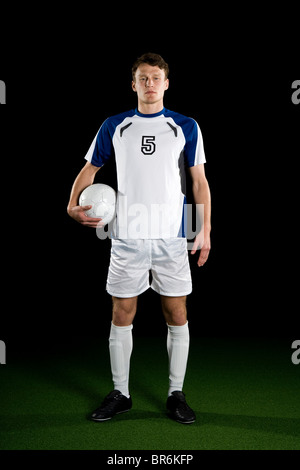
pixel 151 145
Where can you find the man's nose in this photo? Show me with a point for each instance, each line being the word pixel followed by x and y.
pixel 149 82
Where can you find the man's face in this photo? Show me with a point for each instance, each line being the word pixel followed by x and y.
pixel 150 83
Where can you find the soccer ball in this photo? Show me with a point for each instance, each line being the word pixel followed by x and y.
pixel 102 198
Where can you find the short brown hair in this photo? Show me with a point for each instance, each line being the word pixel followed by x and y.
pixel 151 59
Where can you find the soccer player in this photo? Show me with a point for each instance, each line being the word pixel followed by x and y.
pixel 152 146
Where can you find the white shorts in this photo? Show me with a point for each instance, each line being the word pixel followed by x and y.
pixel 131 261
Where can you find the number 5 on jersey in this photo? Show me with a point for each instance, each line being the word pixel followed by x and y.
pixel 148 146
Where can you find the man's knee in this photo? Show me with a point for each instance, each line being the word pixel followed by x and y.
pixel 174 310
pixel 124 311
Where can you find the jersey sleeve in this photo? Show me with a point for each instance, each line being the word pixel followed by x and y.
pixel 194 148
pixel 101 148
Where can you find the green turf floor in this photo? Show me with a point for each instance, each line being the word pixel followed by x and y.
pixel 245 392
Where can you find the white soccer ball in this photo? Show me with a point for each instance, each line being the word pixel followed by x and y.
pixel 102 198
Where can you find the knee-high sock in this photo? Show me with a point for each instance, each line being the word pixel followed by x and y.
pixel 178 341
pixel 120 348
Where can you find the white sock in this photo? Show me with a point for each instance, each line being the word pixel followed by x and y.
pixel 120 348
pixel 178 341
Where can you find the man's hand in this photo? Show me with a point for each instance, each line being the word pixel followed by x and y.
pixel 78 213
pixel 202 241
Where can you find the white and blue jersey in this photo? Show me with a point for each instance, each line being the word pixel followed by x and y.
pixel 151 152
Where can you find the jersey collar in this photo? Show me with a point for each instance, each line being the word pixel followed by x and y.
pixel 149 115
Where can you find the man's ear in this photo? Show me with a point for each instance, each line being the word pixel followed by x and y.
pixel 133 86
pixel 167 84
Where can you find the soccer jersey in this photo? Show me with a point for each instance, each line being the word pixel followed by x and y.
pixel 151 152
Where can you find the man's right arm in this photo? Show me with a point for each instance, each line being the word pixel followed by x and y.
pixel 85 178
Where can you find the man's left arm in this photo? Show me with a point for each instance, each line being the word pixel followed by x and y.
pixel 201 193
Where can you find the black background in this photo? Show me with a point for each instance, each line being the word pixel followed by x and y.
pixel 66 76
